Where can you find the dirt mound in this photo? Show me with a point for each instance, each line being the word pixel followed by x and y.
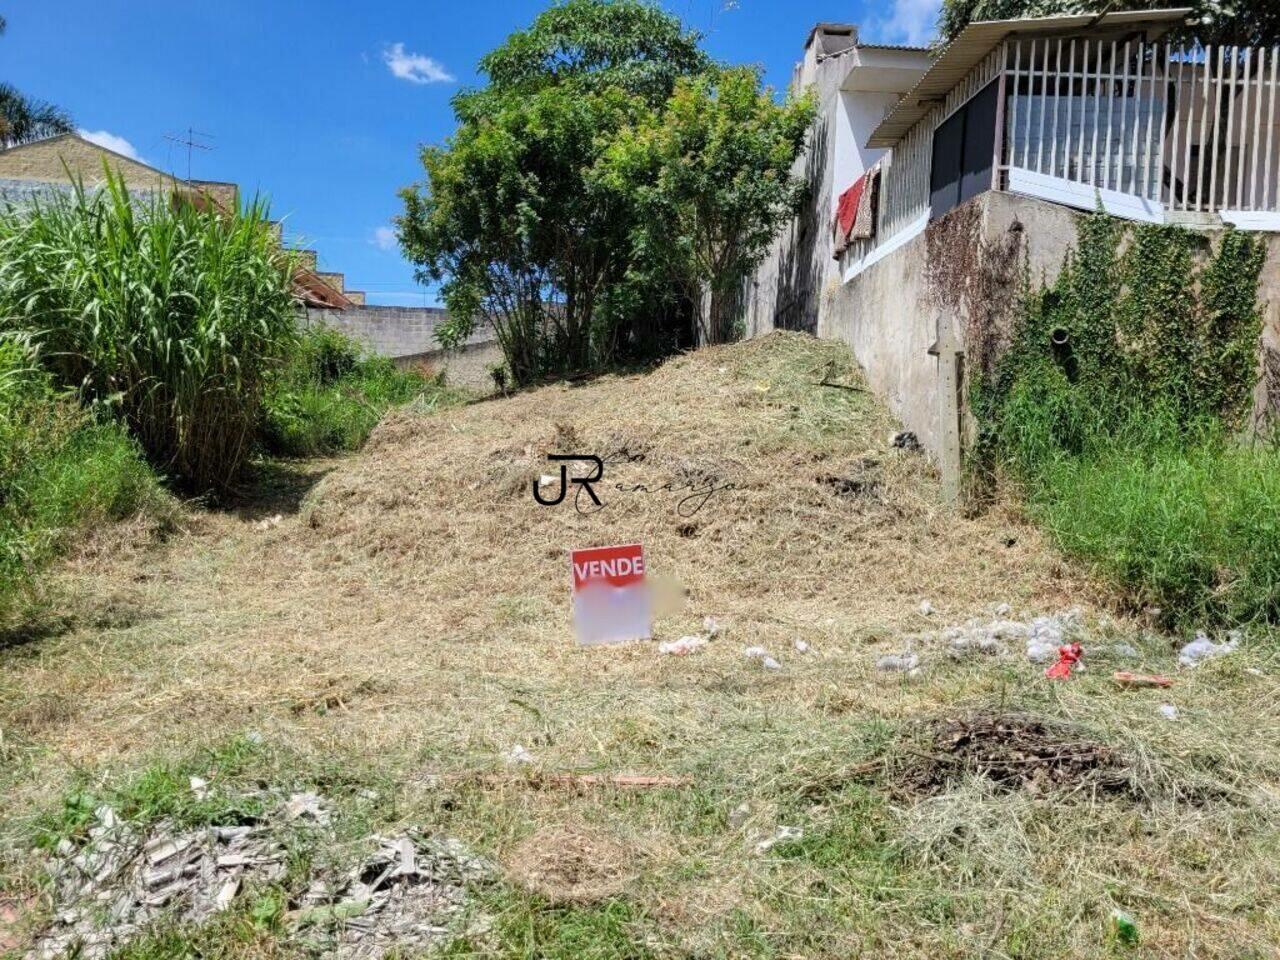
pixel 571 865
pixel 1014 752
pixel 757 487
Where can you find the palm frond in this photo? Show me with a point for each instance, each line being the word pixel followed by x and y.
pixel 24 119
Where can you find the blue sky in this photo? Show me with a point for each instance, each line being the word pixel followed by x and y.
pixel 322 105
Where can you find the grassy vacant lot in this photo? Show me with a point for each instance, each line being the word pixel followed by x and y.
pixel 407 625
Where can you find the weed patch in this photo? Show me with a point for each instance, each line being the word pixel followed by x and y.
pixel 61 473
pixel 1113 406
pixel 330 396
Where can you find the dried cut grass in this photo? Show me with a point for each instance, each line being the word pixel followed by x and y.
pixel 414 616
pixel 421 589
pixel 572 864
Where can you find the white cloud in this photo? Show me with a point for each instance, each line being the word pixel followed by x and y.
pixel 414 67
pixel 911 21
pixel 384 238
pixel 104 138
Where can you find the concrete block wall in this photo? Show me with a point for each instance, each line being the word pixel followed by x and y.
pixel 408 334
pixel 890 313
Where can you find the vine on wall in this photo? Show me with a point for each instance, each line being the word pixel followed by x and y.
pixel 977 280
pixel 1140 324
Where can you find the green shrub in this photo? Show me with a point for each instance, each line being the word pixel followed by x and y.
pixel 61 471
pixel 329 396
pixel 325 356
pixel 1122 441
pixel 1193 530
pixel 166 315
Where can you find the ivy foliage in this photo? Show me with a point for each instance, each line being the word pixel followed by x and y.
pixel 1117 410
pixel 1134 328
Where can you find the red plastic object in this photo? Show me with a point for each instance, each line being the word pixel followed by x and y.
pixel 1069 655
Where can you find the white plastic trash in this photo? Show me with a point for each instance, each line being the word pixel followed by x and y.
pixel 519 754
pixel 1202 648
pixel 683 646
pixel 782 835
pixel 898 663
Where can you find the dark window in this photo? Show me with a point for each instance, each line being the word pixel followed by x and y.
pixel 979 142
pixel 944 178
pixel 962 153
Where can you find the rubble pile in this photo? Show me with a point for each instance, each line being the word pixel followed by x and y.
pixel 406 898
pixel 119 880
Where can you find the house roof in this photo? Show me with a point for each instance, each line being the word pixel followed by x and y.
pixel 45 141
pixel 314 292
pixel 978 39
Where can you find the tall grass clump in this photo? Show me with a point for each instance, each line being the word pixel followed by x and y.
pixel 170 314
pixel 61 472
pixel 330 395
pixel 1117 410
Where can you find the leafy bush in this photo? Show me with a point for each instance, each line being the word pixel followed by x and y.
pixel 330 397
pixel 604 177
pixel 1121 437
pixel 168 315
pixel 60 472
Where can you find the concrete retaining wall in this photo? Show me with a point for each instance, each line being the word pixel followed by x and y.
pixel 890 312
pixel 408 336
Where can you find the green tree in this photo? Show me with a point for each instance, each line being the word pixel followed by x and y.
pixel 24 119
pixel 1244 22
pixel 510 220
pixel 594 44
pixel 710 174
pixel 514 231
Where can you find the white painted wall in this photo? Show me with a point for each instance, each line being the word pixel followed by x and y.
pixel 858 113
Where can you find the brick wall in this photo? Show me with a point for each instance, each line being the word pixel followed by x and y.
pixel 43 162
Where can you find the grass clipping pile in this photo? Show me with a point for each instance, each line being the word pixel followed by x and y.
pixel 1014 751
pixel 571 865
pixel 761 476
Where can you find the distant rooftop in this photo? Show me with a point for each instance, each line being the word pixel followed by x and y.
pixel 833 39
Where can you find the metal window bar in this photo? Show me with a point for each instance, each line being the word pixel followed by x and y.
pixel 1268 185
pixel 1176 96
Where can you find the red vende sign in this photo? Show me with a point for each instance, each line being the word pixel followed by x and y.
pixel 616 566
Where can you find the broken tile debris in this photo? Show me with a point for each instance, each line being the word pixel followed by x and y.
pixel 120 879
pixel 404 899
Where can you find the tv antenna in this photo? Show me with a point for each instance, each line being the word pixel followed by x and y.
pixel 192 142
